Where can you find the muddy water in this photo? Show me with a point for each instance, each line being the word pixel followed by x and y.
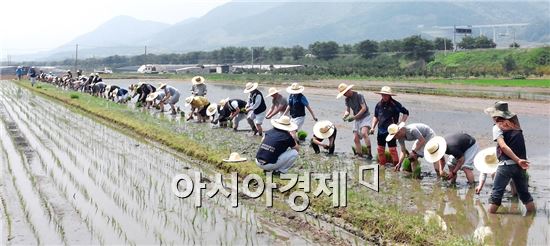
pixel 67 179
pixel 462 210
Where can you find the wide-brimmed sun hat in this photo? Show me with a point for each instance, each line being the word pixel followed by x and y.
pixel 486 160
pixel 393 129
pixel 249 87
pixel 323 129
pixel 189 100
pixel 162 85
pixel 272 91
pixel 283 123
pixel 197 80
pixel 500 109
pixel 152 96
pixel 235 157
pixel 386 90
pixel 294 88
pixel 343 88
pixel 435 149
pixel 223 102
pixel 212 109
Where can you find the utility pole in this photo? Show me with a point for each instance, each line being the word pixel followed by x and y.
pixel 145 58
pixel 76 57
pixel 252 59
pixel 454 36
pixel 445 45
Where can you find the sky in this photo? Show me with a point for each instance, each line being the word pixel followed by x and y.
pixel 37 25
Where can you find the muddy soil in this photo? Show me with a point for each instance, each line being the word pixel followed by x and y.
pixel 463 211
pixel 68 179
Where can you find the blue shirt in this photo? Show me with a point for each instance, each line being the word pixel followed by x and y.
pixel 388 113
pixel 274 144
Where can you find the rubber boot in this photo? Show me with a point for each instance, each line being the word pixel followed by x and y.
pixel 394 155
pixel 381 155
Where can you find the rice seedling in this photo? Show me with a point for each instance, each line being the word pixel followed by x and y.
pixel 74 96
pixel 302 135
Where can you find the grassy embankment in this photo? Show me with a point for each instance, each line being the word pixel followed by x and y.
pixel 381 222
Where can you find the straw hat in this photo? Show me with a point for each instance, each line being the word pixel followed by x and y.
pixel 152 96
pixel 500 110
pixel 250 87
pixel 197 80
pixel 435 149
pixel 115 92
pixel 323 129
pixel 223 102
pixel 283 123
pixel 189 100
pixel 162 85
pixel 393 129
pixel 272 91
pixel 343 88
pixel 212 109
pixel 486 160
pixel 386 90
pixel 234 157
pixel 294 88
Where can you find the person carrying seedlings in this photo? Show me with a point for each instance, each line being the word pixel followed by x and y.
pixel 32 75
pixel 461 148
pixel 387 112
pixel 198 88
pixel 278 103
pixel 278 151
pixel 356 104
pixel 171 96
pixel 198 107
pixel 154 98
pixel 323 130
pixel 512 157
pixel 213 111
pixel 417 132
pixel 235 108
pixel 121 95
pixel 142 90
pixel 255 108
pixel 98 89
pixel 297 104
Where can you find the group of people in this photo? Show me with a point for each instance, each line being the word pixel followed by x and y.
pixel 280 145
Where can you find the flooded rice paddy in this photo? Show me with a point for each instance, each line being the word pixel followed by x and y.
pixel 462 210
pixel 86 183
pixel 67 179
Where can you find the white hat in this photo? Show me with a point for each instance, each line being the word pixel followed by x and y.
pixel 197 80
pixel 162 85
pixel 323 129
pixel 212 109
pixel 283 123
pixel 250 87
pixel 223 101
pixel 234 157
pixel 115 92
pixel 294 88
pixel 272 91
pixel 486 160
pixel 343 88
pixel 393 129
pixel 189 100
pixel 435 149
pixel 152 96
pixel 386 90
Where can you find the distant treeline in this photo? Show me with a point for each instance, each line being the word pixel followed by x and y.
pixel 411 56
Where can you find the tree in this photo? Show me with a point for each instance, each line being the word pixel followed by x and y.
pixel 417 47
pixel 443 44
pixel 514 45
pixel 276 54
pixel 390 46
pixel 483 42
pixel 367 48
pixel 324 50
pixel 297 52
pixel 467 43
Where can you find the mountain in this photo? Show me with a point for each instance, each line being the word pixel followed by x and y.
pixel 116 36
pixel 242 23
